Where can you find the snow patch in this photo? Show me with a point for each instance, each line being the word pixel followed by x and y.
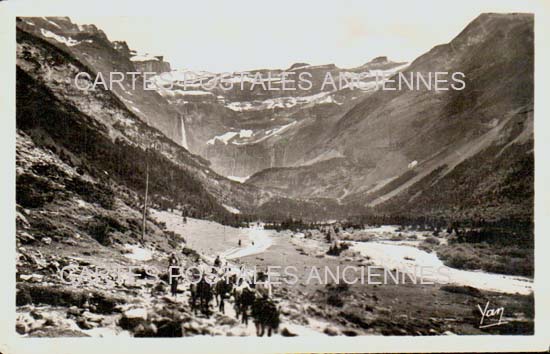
pixel 245 133
pixel 144 57
pixel 189 93
pixel 268 134
pixel 51 22
pixel 281 102
pixel 224 138
pixel 138 253
pixel 231 209
pixel 67 41
pixel 238 179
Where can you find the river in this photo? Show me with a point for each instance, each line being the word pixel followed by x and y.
pixel 211 238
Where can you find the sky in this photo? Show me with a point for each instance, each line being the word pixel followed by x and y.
pixel 227 36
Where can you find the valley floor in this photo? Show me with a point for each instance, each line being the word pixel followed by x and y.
pixel 142 307
pixel 437 308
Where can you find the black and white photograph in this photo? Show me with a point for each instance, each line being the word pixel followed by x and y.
pixel 279 171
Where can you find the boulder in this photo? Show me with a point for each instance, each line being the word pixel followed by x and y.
pixel 33 278
pixel 36 315
pixel 74 311
pixel 350 333
pixel 132 318
pixel 171 329
pixel 192 327
pixel 285 332
pixel 57 332
pixel 21 328
pixel 145 330
pixel 84 324
pixel 226 320
pixel 331 331
pixel 92 317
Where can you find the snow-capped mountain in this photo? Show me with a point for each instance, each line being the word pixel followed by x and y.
pixel 247 127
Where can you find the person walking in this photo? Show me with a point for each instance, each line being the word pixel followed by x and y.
pixel 217 262
pixel 173 273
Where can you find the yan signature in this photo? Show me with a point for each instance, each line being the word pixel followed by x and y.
pixel 491 316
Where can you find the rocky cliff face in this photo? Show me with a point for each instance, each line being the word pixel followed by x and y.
pixel 152 64
pixel 122 48
pixel 253 126
pixel 91 47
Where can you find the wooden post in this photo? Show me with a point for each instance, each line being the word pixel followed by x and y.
pixel 146 191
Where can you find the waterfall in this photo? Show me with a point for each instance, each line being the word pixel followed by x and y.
pixel 183 136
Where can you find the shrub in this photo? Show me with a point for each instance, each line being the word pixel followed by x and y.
pixel 34 192
pixel 496 259
pixel 398 237
pixel 432 240
pixel 56 296
pixel 425 248
pixel 92 193
pixel 335 250
pixel 355 319
pixel 101 227
pixel 189 252
pixel 22 297
pixel 459 289
pixel 335 300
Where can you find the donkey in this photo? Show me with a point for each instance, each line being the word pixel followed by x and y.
pixel 266 316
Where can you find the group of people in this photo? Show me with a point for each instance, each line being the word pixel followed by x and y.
pixel 250 297
pixel 254 298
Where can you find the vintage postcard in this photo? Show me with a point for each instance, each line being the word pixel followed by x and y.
pixel 267 177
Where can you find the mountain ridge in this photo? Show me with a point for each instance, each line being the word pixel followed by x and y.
pixel 392 130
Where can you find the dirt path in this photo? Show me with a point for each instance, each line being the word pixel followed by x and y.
pixel 260 241
pixel 211 239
